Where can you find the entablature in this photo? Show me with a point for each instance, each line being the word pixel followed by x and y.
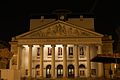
pixel 61 41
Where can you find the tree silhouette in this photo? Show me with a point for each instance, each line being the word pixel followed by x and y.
pixel 117 43
pixel 5 55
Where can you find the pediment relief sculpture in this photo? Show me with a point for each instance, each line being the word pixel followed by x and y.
pixel 59 31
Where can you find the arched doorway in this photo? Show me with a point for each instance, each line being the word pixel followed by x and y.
pixel 37 70
pixel 82 70
pixel 48 71
pixel 70 70
pixel 59 71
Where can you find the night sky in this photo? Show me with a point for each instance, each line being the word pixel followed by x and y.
pixel 14 16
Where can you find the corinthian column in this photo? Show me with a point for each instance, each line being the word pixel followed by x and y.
pixel 100 65
pixel 65 61
pixel 76 60
pixel 19 56
pixel 88 61
pixel 41 60
pixel 53 61
pixel 30 61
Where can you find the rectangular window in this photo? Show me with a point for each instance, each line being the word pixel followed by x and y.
pixel 26 72
pixel 81 50
pixel 38 51
pixel 93 71
pixel 59 51
pixel 70 50
pixel 37 72
pixel 82 73
pixel 49 51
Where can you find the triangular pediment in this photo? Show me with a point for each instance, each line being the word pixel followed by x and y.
pixel 58 29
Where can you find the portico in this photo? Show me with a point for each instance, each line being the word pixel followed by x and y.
pixel 75 58
pixel 57 49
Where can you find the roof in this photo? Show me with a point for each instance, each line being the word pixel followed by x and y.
pixel 107 58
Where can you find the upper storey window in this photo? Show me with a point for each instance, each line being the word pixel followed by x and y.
pixel 38 51
pixel 49 51
pixel 59 51
pixel 82 51
pixel 70 50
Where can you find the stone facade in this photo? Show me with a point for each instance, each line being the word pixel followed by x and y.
pixel 55 48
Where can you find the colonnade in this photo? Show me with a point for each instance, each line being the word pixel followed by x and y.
pixel 76 60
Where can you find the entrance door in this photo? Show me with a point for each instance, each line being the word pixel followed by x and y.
pixel 48 71
pixel 70 70
pixel 59 71
pixel 82 70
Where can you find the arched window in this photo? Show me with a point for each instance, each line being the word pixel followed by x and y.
pixel 48 70
pixel 70 70
pixel 82 66
pixel 82 69
pixel 59 71
pixel 37 69
pixel 37 66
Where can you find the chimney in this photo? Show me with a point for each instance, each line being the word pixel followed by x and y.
pixel 62 17
pixel 42 18
pixel 81 17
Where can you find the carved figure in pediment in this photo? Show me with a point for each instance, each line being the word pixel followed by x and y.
pixel 59 28
pixel 58 31
pixel 85 33
pixel 76 32
pixel 48 31
pixel 69 31
pixel 63 30
pixel 41 34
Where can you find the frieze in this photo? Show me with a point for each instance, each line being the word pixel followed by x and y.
pixel 61 41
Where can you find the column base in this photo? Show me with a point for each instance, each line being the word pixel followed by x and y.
pixel 53 78
pixel 65 78
pixel 76 77
pixel 41 77
pixel 29 78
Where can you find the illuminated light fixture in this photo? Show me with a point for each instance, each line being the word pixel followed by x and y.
pixel 59 46
pixel 25 45
pixel 47 45
pixel 36 46
pixel 115 66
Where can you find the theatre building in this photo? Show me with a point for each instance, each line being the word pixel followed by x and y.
pixel 57 48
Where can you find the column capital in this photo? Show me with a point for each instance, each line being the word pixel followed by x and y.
pixel 41 45
pixel 53 45
pixel 76 45
pixel 30 45
pixel 99 44
pixel 87 45
pixel 19 45
pixel 64 45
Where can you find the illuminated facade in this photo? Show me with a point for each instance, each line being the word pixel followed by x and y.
pixel 58 48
